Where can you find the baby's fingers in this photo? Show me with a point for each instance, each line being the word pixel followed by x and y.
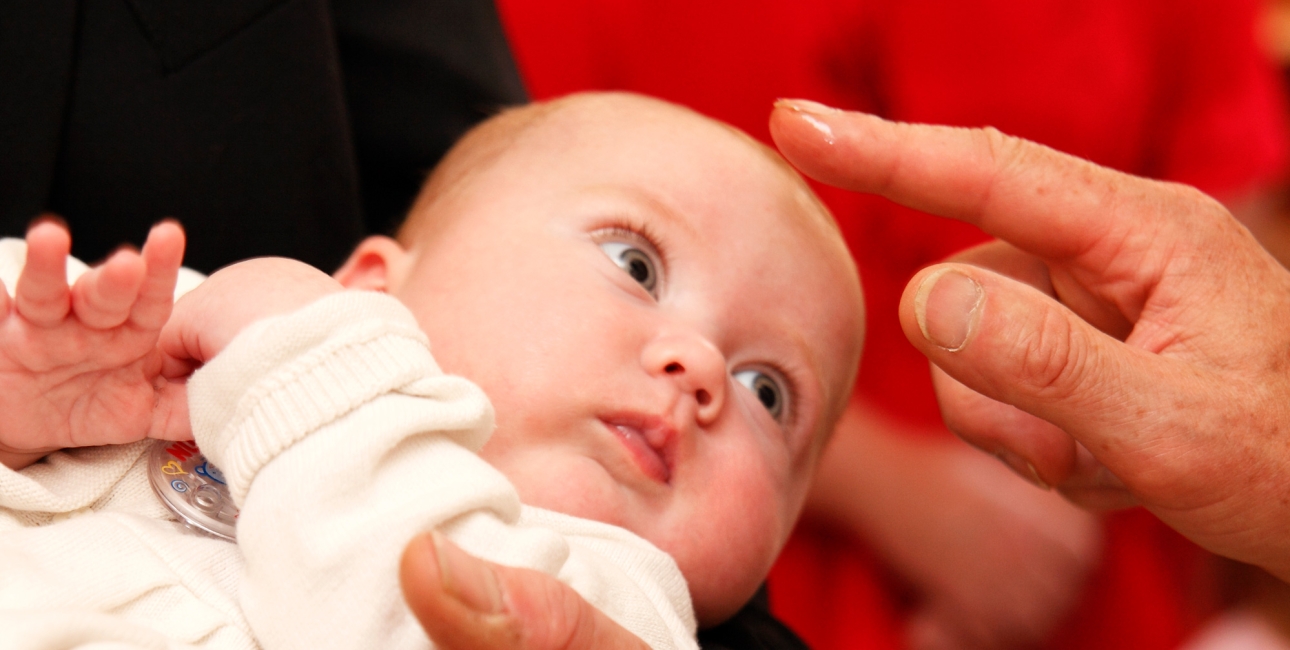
pixel 163 253
pixel 41 295
pixel 103 297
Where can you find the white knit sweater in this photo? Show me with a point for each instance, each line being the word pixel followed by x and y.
pixel 340 439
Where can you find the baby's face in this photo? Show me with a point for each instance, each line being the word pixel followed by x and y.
pixel 662 323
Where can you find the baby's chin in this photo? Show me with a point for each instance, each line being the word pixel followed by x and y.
pixel 716 600
pixel 724 576
pixel 723 568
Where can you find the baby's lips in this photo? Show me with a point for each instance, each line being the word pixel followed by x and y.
pixel 649 440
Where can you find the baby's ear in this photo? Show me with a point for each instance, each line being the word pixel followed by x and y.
pixel 374 266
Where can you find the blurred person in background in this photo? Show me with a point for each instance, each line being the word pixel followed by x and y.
pixel 1271 224
pixel 914 539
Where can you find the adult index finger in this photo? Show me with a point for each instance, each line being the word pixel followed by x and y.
pixel 1045 202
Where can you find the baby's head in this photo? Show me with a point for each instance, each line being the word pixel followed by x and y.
pixel 664 316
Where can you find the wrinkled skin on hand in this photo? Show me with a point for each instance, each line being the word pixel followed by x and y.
pixel 1129 343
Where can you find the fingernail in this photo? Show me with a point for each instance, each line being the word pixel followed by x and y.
pixel 805 106
pixel 469 579
pixel 813 113
pixel 1024 468
pixel 947 307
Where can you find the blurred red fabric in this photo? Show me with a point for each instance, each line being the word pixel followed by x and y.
pixel 1173 89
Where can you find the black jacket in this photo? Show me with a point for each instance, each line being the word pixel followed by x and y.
pixel 285 127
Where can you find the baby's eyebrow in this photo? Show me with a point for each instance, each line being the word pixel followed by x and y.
pixel 649 205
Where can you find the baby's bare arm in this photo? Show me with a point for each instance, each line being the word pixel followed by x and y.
pixel 79 364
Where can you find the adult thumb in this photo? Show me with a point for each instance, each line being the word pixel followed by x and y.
pixel 465 603
pixel 1011 343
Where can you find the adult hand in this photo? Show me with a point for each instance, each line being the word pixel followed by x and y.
pixel 465 603
pixel 1135 336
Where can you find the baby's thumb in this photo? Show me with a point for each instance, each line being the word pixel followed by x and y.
pixel 1010 342
pixel 170 413
pixel 181 342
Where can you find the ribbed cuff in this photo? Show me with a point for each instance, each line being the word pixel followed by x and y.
pixel 286 376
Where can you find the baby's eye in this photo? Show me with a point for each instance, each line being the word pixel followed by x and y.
pixel 635 261
pixel 766 388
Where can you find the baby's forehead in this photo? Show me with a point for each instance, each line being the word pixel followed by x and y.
pixel 605 129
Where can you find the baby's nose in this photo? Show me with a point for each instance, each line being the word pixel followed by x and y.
pixel 695 366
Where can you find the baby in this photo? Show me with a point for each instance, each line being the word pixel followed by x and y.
pixel 664 319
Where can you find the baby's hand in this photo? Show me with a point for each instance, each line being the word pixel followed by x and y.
pixel 208 317
pixel 79 365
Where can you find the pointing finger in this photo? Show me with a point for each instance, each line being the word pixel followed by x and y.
pixel 1047 203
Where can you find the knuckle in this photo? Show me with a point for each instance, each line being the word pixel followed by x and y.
pixel 1053 360
pixel 579 629
pixel 564 624
pixel 1006 152
pixel 1008 157
pixel 1197 207
pixel 46 312
pixel 1196 200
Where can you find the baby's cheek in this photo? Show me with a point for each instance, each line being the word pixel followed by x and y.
pixel 566 483
pixel 754 512
pixel 742 527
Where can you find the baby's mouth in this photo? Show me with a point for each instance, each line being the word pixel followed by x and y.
pixel 647 449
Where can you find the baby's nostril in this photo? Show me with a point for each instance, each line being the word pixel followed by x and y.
pixel 703 397
pixel 673 368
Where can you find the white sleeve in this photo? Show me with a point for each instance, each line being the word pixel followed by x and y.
pixel 341 440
